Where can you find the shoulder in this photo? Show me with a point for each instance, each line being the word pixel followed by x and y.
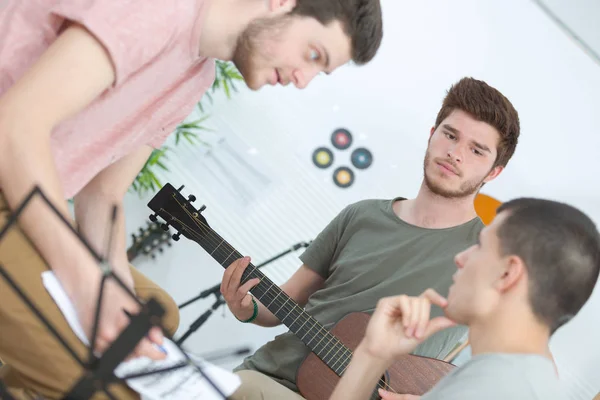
pixel 499 376
pixel 365 208
pixel 371 204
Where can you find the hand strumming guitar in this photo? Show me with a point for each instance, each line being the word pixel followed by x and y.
pixel 398 325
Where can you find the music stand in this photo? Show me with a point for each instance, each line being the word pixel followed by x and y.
pixel 98 372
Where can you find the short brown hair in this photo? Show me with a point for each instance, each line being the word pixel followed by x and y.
pixel 487 104
pixel 361 20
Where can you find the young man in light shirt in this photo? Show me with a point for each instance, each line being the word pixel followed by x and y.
pixel 532 270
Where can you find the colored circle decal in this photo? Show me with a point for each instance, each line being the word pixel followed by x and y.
pixel 361 158
pixel 341 139
pixel 343 177
pixel 322 157
pixel 486 207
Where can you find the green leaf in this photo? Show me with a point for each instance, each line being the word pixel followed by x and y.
pixel 225 76
pixel 161 165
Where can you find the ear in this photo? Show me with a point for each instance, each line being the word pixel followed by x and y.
pixel 494 173
pixel 514 273
pixel 432 131
pixel 281 6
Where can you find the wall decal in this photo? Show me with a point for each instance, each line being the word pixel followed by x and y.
pixel 486 207
pixel 343 177
pixel 322 157
pixel 341 139
pixel 361 158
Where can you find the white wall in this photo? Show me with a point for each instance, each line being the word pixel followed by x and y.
pixel 580 18
pixel 390 105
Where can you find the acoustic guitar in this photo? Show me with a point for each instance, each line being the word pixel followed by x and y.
pixel 149 240
pixel 331 351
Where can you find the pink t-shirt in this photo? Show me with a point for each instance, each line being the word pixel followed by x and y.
pixel 160 76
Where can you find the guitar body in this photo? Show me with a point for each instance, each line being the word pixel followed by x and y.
pixel 410 374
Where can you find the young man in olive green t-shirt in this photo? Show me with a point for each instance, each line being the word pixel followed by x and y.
pixel 379 248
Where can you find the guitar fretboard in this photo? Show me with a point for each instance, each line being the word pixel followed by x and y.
pixel 325 345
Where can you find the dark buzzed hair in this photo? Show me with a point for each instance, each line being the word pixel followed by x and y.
pixel 560 246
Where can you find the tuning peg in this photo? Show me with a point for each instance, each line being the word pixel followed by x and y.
pixel 176 236
pixel 169 244
pixel 153 256
pixel 152 217
pixel 165 227
pixel 191 198
pixel 202 208
pixel 180 188
pixel 160 250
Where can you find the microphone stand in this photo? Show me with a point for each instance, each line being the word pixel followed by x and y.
pixel 219 298
pixel 202 319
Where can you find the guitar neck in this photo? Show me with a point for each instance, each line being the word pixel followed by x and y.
pixel 318 339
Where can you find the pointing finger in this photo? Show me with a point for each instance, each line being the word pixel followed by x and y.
pixel 435 298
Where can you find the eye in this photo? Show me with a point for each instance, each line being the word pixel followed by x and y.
pixel 477 152
pixel 314 55
pixel 449 135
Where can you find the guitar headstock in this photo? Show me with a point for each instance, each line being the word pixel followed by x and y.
pixel 149 240
pixel 179 213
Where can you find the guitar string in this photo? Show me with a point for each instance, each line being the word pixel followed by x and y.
pixel 281 306
pixel 207 231
pixel 345 351
pixel 381 383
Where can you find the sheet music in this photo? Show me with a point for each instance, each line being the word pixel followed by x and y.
pixel 182 384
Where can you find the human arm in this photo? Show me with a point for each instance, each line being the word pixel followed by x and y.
pixel 68 76
pixel 301 285
pixel 309 278
pixel 397 326
pixel 93 208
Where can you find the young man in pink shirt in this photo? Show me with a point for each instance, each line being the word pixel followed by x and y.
pixel 87 89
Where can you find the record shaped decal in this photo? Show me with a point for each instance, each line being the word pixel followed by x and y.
pixel 343 177
pixel 341 139
pixel 322 157
pixel 361 158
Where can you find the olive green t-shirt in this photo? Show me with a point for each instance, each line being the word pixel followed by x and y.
pixel 365 253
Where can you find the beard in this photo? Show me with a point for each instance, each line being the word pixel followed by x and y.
pixel 466 188
pixel 253 47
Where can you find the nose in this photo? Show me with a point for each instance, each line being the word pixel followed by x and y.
pixel 455 153
pixel 461 257
pixel 302 77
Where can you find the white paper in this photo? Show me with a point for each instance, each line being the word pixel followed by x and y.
pixel 182 384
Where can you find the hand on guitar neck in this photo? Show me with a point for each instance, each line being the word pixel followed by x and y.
pixel 398 325
pixel 235 287
pixel 236 294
